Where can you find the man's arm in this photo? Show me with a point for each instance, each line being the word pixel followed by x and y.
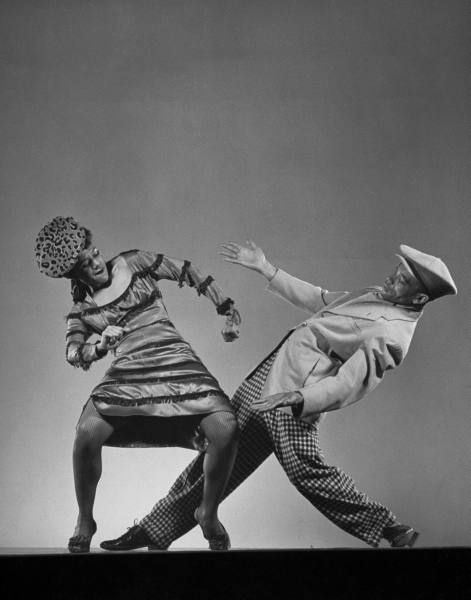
pixel 302 294
pixel 358 376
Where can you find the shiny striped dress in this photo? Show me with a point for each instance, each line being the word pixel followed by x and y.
pixel 157 389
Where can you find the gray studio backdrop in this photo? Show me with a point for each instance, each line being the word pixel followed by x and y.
pixel 327 131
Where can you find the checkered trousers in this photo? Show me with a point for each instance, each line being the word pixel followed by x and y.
pixel 296 446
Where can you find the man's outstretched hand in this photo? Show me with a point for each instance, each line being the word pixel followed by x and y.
pixel 250 256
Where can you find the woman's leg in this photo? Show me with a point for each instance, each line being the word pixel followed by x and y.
pixel 92 432
pixel 221 431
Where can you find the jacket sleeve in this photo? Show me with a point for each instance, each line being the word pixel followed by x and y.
pixel 78 352
pixel 301 294
pixel 359 375
pixel 185 273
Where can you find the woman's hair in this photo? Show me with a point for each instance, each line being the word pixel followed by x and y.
pixel 78 289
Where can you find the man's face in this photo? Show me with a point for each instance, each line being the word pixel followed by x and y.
pixel 401 287
pixel 91 267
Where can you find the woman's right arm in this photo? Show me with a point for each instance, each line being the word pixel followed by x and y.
pixel 184 272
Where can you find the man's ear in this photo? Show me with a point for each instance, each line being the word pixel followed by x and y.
pixel 420 299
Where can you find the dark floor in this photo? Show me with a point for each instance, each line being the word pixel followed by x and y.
pixel 94 551
pixel 340 574
pixel 13 551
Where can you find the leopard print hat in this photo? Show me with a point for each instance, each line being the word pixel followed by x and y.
pixel 58 246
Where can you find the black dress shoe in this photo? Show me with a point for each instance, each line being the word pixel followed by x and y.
pixel 400 536
pixel 135 537
pixel 79 544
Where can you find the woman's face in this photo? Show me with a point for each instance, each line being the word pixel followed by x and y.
pixel 91 268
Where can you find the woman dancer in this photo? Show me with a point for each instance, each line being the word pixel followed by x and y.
pixel 156 391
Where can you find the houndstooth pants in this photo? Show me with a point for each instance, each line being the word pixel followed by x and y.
pixel 296 446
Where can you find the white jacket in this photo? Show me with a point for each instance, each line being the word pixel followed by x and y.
pixel 342 351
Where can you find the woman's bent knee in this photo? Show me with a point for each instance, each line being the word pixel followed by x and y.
pixel 221 429
pixel 90 435
pixel 232 428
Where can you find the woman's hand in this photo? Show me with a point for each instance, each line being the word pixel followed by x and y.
pixel 110 337
pixel 250 256
pixel 231 326
pixel 277 401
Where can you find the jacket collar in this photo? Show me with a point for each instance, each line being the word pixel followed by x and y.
pixel 368 304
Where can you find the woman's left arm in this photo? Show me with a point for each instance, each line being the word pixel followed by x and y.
pixel 185 273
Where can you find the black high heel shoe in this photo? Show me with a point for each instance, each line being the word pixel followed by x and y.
pixel 220 541
pixel 79 544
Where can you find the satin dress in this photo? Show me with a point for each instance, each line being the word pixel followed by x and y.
pixel 157 389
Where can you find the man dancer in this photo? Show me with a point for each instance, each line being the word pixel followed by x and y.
pixel 329 361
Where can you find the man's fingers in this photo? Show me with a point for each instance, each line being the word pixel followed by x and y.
pixel 268 403
pixel 261 407
pixel 231 246
pixel 270 398
pixel 232 260
pixel 261 403
pixel 228 253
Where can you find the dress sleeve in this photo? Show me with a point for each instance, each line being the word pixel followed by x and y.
pixel 78 352
pixel 184 272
